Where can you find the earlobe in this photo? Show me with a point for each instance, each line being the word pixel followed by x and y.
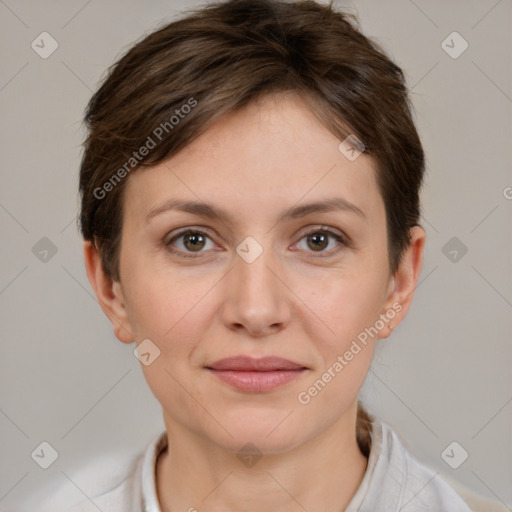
pixel 108 293
pixel 405 279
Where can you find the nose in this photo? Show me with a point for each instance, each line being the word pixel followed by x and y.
pixel 256 298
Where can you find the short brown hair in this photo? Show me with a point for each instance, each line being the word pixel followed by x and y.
pixel 218 59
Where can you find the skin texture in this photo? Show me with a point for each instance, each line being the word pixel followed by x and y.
pixel 301 299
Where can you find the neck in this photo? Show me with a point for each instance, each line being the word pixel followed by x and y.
pixel 322 473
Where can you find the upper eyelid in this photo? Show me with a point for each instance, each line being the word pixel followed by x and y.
pixel 306 230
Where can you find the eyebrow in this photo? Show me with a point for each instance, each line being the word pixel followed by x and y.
pixel 295 212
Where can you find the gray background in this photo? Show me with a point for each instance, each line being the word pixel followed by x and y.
pixel 443 376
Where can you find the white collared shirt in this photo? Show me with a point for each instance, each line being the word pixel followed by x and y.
pixel 394 481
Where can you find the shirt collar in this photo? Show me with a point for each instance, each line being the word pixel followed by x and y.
pixel 149 495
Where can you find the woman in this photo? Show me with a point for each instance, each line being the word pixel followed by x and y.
pixel 250 209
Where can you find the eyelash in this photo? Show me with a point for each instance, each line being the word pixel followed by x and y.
pixel 321 254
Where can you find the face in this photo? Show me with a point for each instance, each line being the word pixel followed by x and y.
pixel 269 277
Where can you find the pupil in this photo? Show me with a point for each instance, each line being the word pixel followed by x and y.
pixel 195 240
pixel 321 238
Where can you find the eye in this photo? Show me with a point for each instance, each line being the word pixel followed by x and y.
pixel 189 241
pixel 319 239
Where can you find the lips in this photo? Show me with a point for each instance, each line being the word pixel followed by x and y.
pixel 251 375
pixel 249 364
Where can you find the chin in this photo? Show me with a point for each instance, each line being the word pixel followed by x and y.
pixel 266 431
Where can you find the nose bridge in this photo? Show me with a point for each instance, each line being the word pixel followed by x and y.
pixel 256 298
pixel 252 272
pixel 252 266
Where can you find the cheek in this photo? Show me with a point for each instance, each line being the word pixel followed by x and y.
pixel 163 307
pixel 348 307
pixel 344 304
pixel 176 311
pixel 174 315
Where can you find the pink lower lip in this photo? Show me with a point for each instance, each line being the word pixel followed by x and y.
pixel 257 381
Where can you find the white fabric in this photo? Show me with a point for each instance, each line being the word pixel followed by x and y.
pixel 394 481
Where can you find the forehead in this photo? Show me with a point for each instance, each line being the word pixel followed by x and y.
pixel 261 158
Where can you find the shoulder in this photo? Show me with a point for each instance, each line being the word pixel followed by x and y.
pixel 114 484
pixel 110 488
pixel 400 479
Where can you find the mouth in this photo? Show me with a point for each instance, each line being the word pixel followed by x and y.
pixel 256 375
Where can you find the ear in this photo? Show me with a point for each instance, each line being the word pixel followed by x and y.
pixel 109 294
pixel 404 281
